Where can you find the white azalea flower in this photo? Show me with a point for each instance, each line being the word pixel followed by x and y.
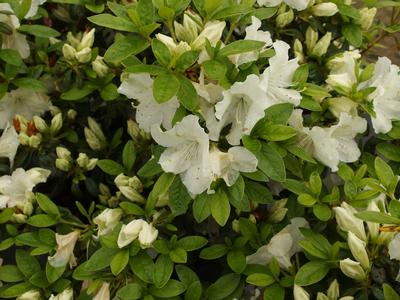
pixel 107 220
pixel 352 269
pixel 9 143
pixel 23 102
pixel 299 293
pixel 103 293
pixel 65 250
pixel 296 4
pixel 34 8
pixel 342 73
pixel 187 153
pixel 282 246
pixel 148 111
pixel 228 165
pixel 15 189
pixel 386 97
pixel 331 145
pixel 129 232
pixel 243 106
pixel 394 247
pixel 67 294
pixel 147 235
pixel 252 33
pixel 277 78
pixel 15 40
pixel 348 222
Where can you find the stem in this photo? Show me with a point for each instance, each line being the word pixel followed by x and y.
pixel 230 32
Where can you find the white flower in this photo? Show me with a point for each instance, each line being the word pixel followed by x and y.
pixel 342 73
pixel 352 269
pixel 129 232
pixel 228 165
pixel 348 222
pixel 148 112
pixel 23 102
pixel 30 295
pixel 324 9
pixel 34 8
pixel 15 40
pixel 9 143
pixel 15 189
pixel 331 145
pixel 65 250
pixel 103 293
pixel 147 235
pixel 107 220
pixel 386 97
pixel 67 294
pixel 243 106
pixel 299 293
pixel 277 78
pixel 212 32
pixel 252 33
pixel 394 247
pixel 282 246
pixel 296 4
pixel 187 153
pixel 357 248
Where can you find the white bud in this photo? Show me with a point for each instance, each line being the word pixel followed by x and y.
pixel 63 153
pixel 367 17
pixel 96 128
pixel 352 269
pixel 121 180
pixel 333 290
pixel 322 296
pixel 19 218
pixel 311 38
pixel 107 220
pixel 147 235
pixel 63 164
pixel 100 67
pixel 56 123
pixel 40 124
pixel 84 55
pixel 69 52
pixel 325 9
pixel 348 222
pixel 23 139
pixel 132 194
pixel 28 208
pixel 87 40
pixel 284 19
pixel 35 140
pixel 357 248
pixel 71 114
pixel 30 295
pixel 322 45
pixel 299 293
pixel 212 32
pixel 73 40
pixel 129 232
pixel 373 228
pixel 298 50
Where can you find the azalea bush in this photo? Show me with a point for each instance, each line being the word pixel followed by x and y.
pixel 205 149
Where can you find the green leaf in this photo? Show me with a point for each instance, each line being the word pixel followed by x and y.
pixel 260 279
pixel 129 155
pixel 352 33
pixel 76 93
pixel 162 270
pixel 125 47
pixel 214 252
pixel 223 287
pixel 179 197
pixel 187 94
pixel 150 69
pixel 171 289
pixel 306 200
pixel 100 259
pixel 377 217
pixel 178 255
pixel 10 273
pixel 236 195
pixel 301 74
pixel 132 208
pixel 165 87
pixel 47 205
pixel 194 291
pixel 390 293
pixel 119 262
pixel 109 92
pixel 160 187
pixel 274 292
pixel 39 30
pixel 240 46
pixel 131 291
pixel 27 264
pixel 349 11
pixel 389 151
pixel 383 171
pixel 271 163
pixel 161 52
pixel 6 215
pixel 110 167
pixel 258 192
pixel 311 272
pixel 192 242
pixel 11 57
pixel 201 207
pixel 15 290
pixel 220 207
pixel 145 11
pixel 276 132
pixel 31 84
pixel 322 212
pixel 150 168
pixel 232 11
pixel 53 274
pixel 186 60
pixel 214 69
pixel 110 21
pixel 42 220
pixel 236 261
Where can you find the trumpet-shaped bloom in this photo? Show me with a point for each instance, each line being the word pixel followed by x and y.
pixel 296 4
pixel 187 153
pixel 15 189
pixel 243 106
pixel 107 220
pixel 228 165
pixel 147 235
pixel 331 145
pixel 386 97
pixel 22 102
pixel 65 250
pixel 9 143
pixel 129 232
pixel 15 40
pixel 148 111
pixel 282 246
pixel 277 78
pixel 348 222
pixel 352 269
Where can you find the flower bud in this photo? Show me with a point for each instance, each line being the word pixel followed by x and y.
pixel 299 293
pixel 212 31
pixel 107 220
pixel 236 226
pixel 84 55
pixel 147 235
pixel 322 45
pixel 63 164
pixel 325 9
pixel 56 123
pixel 133 130
pixel 129 232
pixel 352 269
pixel 340 81
pixel 121 180
pixel 333 290
pixel 342 105
pixel 40 124
pixel 54 110
pixel 63 153
pixel 92 140
pixel 132 194
pixel 67 294
pixel 322 296
pixel 96 128
pixel 71 114
pixel 367 17
pixel 19 218
pixel 252 219
pixel 311 38
pixel 298 50
pixel 30 295
pixel 103 293
pixel 373 228
pixel 104 190
pixel 135 183
pixel 100 67
pixel 35 140
pixel 284 19
pixel 278 211
pixel 73 41
pixel 357 248
pixel 87 40
pixel 28 208
pixel 23 139
pixel 348 222
pixel 69 52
